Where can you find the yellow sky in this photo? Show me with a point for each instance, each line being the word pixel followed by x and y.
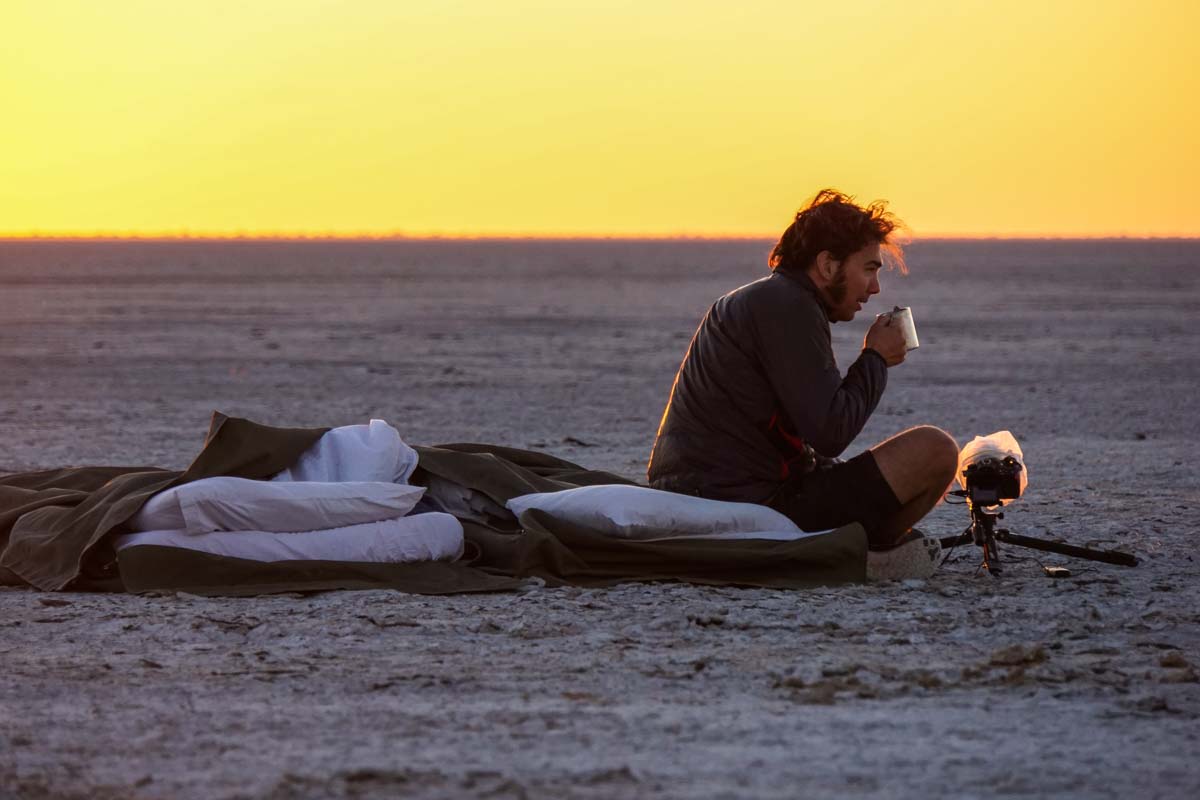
pixel 652 117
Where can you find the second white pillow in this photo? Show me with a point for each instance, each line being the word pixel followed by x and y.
pixel 636 512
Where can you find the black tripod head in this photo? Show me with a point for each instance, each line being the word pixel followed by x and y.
pixel 985 511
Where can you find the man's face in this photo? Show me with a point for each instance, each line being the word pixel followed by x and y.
pixel 849 284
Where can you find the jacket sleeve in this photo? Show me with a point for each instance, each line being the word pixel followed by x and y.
pixel 824 409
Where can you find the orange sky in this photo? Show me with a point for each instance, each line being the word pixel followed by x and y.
pixel 1057 117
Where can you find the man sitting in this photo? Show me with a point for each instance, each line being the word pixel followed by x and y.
pixel 759 410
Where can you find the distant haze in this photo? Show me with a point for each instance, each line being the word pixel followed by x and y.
pixel 654 118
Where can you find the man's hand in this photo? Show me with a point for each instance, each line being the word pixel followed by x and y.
pixel 886 339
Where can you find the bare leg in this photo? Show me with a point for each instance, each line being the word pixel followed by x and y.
pixel 919 464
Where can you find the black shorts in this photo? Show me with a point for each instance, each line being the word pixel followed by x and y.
pixel 854 491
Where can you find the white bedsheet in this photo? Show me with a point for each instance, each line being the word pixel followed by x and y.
pixel 238 504
pixel 454 498
pixel 773 536
pixel 420 537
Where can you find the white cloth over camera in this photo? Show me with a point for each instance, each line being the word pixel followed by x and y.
pixel 999 446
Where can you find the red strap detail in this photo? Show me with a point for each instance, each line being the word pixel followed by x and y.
pixel 796 442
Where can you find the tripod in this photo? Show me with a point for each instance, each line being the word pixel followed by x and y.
pixel 983 532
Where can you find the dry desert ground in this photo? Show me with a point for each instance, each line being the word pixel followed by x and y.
pixel 963 685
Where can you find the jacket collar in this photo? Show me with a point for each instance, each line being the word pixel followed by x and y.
pixel 807 284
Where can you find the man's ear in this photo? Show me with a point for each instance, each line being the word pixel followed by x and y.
pixel 826 267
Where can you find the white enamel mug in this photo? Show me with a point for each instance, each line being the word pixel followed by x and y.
pixel 904 318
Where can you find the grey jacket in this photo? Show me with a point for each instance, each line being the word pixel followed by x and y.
pixel 758 384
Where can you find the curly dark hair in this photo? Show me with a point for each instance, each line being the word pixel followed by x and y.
pixel 833 221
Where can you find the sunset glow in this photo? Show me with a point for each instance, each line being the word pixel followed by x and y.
pixel 1055 117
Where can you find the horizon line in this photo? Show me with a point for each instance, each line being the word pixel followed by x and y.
pixel 35 236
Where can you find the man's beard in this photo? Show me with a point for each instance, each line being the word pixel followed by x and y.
pixel 837 289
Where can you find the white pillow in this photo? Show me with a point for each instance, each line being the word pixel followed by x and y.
pixel 238 504
pixel 635 512
pixel 371 452
pixel 421 537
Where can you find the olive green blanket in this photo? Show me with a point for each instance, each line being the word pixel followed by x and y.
pixel 55 527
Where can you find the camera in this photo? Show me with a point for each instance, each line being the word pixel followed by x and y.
pixel 990 480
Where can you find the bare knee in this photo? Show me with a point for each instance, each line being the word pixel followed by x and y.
pixel 918 461
pixel 940 452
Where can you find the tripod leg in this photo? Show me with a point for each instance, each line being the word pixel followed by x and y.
pixel 991 556
pixel 954 541
pixel 1107 556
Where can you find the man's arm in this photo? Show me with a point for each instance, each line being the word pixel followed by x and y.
pixel 824 409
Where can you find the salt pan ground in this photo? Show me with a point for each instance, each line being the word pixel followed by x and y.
pixel 960 686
